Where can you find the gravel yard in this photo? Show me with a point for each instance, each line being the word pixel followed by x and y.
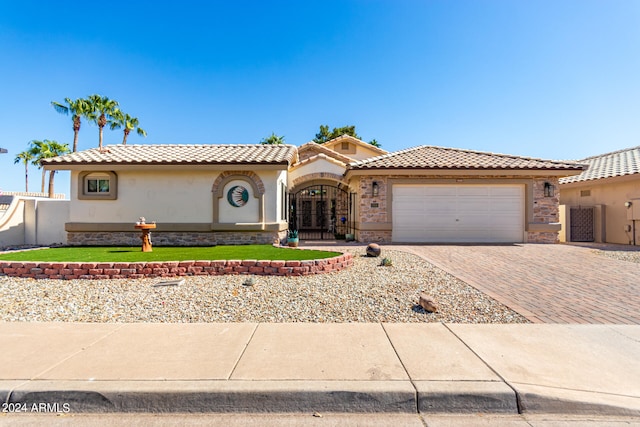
pixel 631 255
pixel 366 292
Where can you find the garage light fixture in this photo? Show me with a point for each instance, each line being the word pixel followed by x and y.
pixel 375 189
pixel 548 190
pixel 627 204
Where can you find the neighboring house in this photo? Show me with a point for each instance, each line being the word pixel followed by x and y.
pixel 234 194
pixel 602 204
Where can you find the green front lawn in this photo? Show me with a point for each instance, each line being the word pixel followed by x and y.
pixel 134 254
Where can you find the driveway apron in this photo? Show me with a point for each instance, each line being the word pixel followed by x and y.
pixel 545 283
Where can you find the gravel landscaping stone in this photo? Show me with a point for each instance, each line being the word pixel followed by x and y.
pixel 365 292
pixel 631 255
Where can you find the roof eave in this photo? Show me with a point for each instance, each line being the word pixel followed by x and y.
pixel 108 165
pixel 463 171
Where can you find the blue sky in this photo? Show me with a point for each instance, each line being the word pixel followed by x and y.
pixel 557 79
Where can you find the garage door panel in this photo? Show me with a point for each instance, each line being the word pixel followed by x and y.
pixel 506 191
pixel 477 191
pixel 458 213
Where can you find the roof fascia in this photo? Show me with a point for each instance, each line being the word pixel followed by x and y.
pixel 602 181
pixel 164 167
pixel 461 172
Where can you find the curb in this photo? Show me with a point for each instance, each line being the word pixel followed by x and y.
pixel 224 396
pixel 466 397
pixel 217 396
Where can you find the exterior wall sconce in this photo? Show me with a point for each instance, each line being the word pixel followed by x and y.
pixel 375 189
pixel 548 189
pixel 628 204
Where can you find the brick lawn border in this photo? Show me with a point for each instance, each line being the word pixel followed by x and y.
pixel 139 270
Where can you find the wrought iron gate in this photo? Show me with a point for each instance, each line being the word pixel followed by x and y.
pixel 321 212
pixel 581 220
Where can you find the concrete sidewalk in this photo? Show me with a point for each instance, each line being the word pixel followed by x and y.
pixel 308 367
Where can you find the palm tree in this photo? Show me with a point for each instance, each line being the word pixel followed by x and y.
pixel 47 149
pixel 272 139
pixel 36 150
pixel 25 157
pixel 78 108
pixel 103 109
pixel 128 123
pixel 375 143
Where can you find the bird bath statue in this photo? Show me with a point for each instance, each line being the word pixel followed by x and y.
pixel 146 235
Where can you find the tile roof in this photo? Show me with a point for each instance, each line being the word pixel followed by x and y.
pixel 609 165
pixel 320 148
pixel 431 157
pixel 171 154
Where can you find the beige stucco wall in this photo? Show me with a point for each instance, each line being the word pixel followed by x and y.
pixel 31 221
pixel 609 197
pixel 172 196
pixel 313 168
pixel 156 195
pixel 12 224
pixel 355 151
pixel 50 216
pixel 249 213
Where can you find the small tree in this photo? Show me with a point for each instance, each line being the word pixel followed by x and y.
pixel 272 139
pixel 127 123
pixel 25 157
pixel 325 135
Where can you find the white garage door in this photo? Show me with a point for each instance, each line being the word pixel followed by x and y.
pixel 458 213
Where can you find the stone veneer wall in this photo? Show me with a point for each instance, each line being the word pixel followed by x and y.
pixel 545 209
pixel 174 238
pixel 138 270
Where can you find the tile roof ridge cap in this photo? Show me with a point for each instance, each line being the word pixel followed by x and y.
pixel 611 153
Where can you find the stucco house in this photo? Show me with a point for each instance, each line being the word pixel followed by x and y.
pixel 602 204
pixel 235 194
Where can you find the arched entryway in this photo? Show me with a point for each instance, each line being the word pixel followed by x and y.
pixel 321 212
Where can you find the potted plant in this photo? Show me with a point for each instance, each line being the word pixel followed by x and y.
pixel 292 238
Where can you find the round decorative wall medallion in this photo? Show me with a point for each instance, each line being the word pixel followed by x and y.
pixel 238 196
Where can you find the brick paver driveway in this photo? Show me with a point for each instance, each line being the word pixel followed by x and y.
pixel 545 283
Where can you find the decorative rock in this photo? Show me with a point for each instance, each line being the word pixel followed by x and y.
pixel 427 303
pixel 177 282
pixel 249 281
pixel 373 250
